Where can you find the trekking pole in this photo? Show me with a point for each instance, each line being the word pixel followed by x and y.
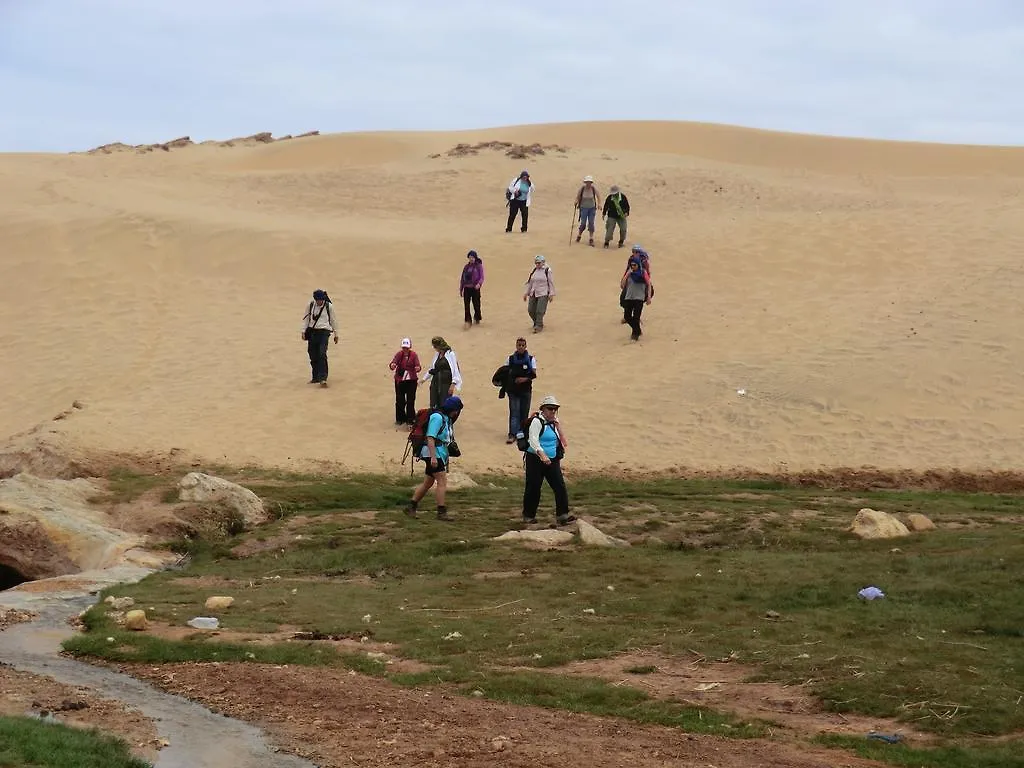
pixel 572 223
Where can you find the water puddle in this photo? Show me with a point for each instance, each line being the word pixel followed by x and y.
pixel 198 738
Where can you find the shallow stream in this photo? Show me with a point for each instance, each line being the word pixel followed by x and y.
pixel 198 738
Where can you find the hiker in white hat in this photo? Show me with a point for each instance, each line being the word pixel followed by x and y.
pixel 586 202
pixel 545 448
pixel 406 366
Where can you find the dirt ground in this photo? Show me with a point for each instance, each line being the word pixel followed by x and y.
pixel 337 718
pixel 22 693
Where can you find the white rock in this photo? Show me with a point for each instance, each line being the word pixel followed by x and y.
pixel 872 524
pixel 542 539
pixel 219 602
pixel 198 487
pixel 591 536
pixel 119 603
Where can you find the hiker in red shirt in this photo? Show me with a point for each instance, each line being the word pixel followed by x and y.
pixel 406 365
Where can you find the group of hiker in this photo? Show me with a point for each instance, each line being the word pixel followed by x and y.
pixel 538 435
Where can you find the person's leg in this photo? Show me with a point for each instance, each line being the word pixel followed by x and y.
pixel 314 362
pixel 526 215
pixel 515 417
pixel 633 317
pixel 553 474
pixel 466 295
pixel 420 492
pixel 609 229
pixel 399 403
pixel 410 401
pixel 524 407
pixel 622 303
pixel 542 308
pixel 321 338
pixel 531 492
pixel 436 398
pixel 591 217
pixel 622 231
pixel 531 307
pixel 477 317
pixel 513 207
pixel 440 489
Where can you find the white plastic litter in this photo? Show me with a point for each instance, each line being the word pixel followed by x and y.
pixel 204 622
pixel 871 593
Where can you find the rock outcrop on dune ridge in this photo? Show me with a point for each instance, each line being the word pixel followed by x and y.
pixel 264 137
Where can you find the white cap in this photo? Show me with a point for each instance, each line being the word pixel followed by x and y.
pixel 588 178
pixel 550 400
pixel 406 343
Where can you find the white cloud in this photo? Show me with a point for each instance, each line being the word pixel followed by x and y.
pixel 78 74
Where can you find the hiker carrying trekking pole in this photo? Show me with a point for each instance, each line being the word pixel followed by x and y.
pixel 586 202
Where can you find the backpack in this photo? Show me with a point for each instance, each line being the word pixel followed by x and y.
pixel 523 443
pixel 418 436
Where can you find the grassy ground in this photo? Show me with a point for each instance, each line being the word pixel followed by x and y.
pixel 30 743
pixel 943 651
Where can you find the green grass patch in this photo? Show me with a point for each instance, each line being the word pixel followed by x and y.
pixel 29 743
pixel 1005 755
pixel 754 572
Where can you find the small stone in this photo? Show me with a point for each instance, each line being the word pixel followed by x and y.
pixel 477 693
pixel 772 615
pixel 219 602
pixel 918 522
pixel 135 620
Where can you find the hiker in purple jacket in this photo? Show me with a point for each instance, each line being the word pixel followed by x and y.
pixel 470 283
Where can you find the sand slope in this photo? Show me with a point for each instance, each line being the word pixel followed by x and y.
pixel 864 294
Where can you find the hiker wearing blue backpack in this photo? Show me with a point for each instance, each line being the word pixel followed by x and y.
pixel 520 371
pixel 544 449
pixel 438 446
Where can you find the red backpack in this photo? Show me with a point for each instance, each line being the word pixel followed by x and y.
pixel 417 435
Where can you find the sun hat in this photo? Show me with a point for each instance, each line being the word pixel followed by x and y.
pixel 588 178
pixel 406 343
pixel 550 401
pixel 539 259
pixel 453 403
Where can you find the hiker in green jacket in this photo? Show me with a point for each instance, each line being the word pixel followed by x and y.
pixel 615 212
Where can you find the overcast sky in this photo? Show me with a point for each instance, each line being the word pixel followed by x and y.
pixel 78 73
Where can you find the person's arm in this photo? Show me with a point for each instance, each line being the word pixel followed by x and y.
pixel 306 318
pixel 624 202
pixel 414 365
pixel 456 374
pixel 480 282
pixel 427 376
pixel 607 205
pixel 625 277
pixel 533 437
pixel 560 433
pixel 393 365
pixel 434 426
pixel 331 321
pixel 532 370
pixel 647 287
pixel 551 285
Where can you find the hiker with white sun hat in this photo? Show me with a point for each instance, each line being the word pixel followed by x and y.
pixel 545 447
pixel 586 201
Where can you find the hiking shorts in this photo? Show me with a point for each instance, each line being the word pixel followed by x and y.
pixel 442 466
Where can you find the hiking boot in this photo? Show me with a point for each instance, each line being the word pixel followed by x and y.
pixel 410 509
pixel 510 439
pixel 565 520
pixel 442 514
pixel 529 520
pixel 605 243
pixel 621 243
pixel 323 383
pixel 579 236
pixel 591 242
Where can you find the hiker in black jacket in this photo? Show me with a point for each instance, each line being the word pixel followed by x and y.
pixel 615 211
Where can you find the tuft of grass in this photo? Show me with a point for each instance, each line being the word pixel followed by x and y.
pixel 1005 755
pixel 30 743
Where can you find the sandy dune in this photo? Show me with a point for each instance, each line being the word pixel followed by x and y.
pixel 864 294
